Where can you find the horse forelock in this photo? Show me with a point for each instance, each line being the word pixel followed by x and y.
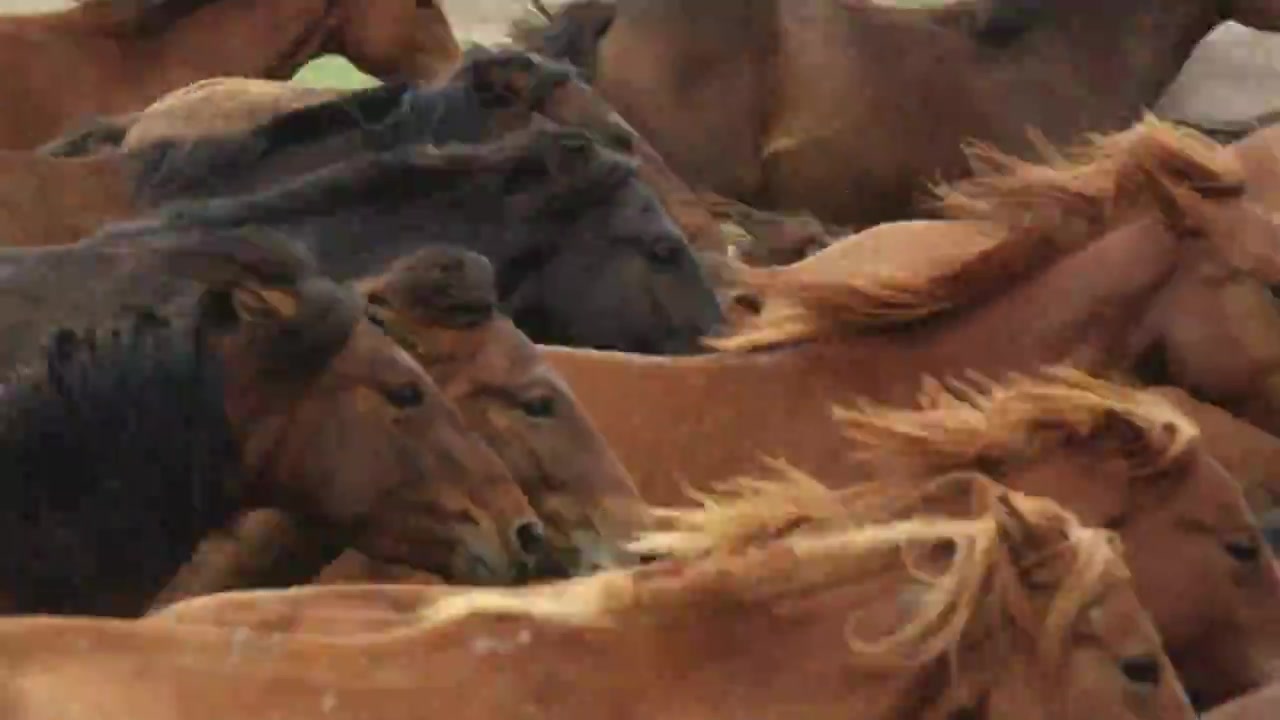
pixel 978 423
pixel 1047 210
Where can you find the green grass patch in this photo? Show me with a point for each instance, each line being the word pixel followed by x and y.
pixel 333 71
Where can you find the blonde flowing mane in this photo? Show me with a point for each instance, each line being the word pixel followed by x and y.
pixel 1046 210
pixel 970 424
pixel 971 573
pixel 945 534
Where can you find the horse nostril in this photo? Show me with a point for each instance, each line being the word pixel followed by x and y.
pixel 530 537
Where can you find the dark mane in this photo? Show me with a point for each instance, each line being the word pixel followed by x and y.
pixel 142 18
pixel 554 170
pixel 383 115
pixel 115 461
pixel 374 119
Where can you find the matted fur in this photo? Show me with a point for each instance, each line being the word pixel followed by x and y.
pixel 964 424
pixel 1047 210
pixel 972 602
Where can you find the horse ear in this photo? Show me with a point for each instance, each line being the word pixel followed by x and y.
pixel 258 304
pixel 1178 209
pixel 225 260
pixel 1026 542
pixel 499 78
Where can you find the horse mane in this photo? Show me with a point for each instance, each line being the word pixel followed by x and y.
pixel 115 460
pixel 554 170
pixel 144 18
pixel 1044 211
pixel 382 114
pixel 982 424
pixel 976 599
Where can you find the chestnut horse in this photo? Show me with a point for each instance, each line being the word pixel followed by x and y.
pixel 130 447
pixel 126 53
pixel 1116 456
pixel 1057 286
pixel 440 304
pixel 1023 613
pixel 848 108
pixel 1102 263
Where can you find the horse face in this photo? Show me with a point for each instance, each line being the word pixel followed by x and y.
pixel 347 427
pixel 623 279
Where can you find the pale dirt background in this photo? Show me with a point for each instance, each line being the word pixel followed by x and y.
pixel 1234 74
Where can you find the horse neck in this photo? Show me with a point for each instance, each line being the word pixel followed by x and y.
pixel 1142 44
pixel 707 418
pixel 242 38
pixel 47 201
pixel 1081 309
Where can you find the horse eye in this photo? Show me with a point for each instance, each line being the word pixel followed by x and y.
pixel 1274 290
pixel 542 406
pixel 1243 551
pixel 1141 669
pixel 404 396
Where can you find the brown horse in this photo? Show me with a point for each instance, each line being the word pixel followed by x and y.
pixel 847 109
pixel 132 446
pixel 1058 285
pixel 1109 263
pixel 57 201
pixel 1012 610
pixel 1119 458
pixel 440 305
pixel 125 54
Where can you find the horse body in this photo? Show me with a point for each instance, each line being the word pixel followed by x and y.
pixel 680 639
pixel 56 201
pixel 798 95
pixel 124 57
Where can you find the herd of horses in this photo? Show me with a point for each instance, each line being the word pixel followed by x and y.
pixel 794 359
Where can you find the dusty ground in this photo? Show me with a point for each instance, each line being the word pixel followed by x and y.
pixel 480 20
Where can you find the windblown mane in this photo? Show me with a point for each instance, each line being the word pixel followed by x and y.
pixel 982 424
pixel 115 461
pixel 554 170
pixel 1046 210
pixel 971 602
pixel 144 18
